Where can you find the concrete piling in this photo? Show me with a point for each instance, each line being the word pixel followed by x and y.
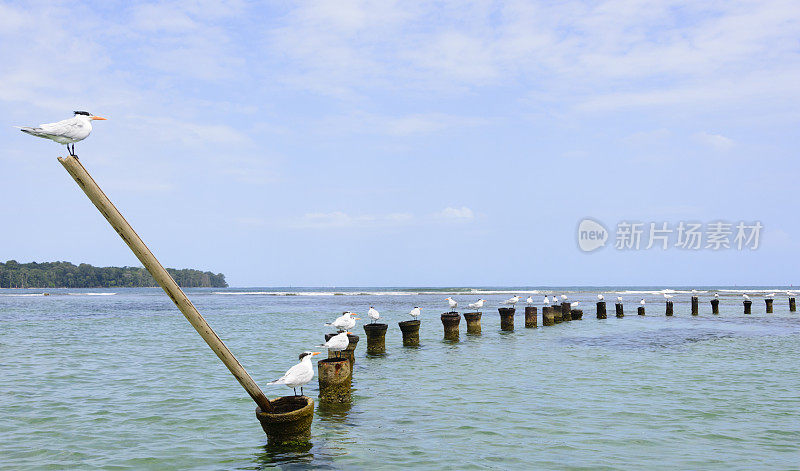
pixel 576 314
pixel 640 310
pixel 290 421
pixel 601 309
pixel 410 330
pixel 335 380
pixel 792 305
pixel 376 338
pixel 768 302
pixel 349 352
pixel 715 306
pixel 530 316
pixel 473 322
pixel 450 321
pixel 565 314
pixel 506 318
pixel 619 310
pixel 548 316
pixel 669 308
pixel 695 306
pixel 748 305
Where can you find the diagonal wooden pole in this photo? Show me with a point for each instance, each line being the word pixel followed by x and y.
pixel 114 217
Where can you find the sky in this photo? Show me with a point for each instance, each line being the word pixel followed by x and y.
pixel 380 143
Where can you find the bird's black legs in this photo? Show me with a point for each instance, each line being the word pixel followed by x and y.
pixel 72 151
pixel 295 391
pixel 301 391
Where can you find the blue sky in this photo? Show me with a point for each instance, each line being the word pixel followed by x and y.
pixel 379 143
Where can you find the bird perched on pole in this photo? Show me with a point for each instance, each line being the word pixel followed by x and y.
pixel 415 312
pixel 529 301
pixel 300 374
pixel 68 131
pixel 373 314
pixel 337 343
pixel 344 322
pixel 512 301
pixel 452 303
pixel 546 301
pixel 600 297
pixel 746 297
pixel 477 304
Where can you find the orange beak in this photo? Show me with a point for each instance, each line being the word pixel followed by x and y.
pixel 314 353
pixel 98 118
pixel 357 318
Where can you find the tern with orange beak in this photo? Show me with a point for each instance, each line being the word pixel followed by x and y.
pixel 337 343
pixel 344 322
pixel 300 374
pixel 68 131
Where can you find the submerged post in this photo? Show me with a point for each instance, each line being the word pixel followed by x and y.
pixel 640 310
pixel 548 316
pixel 376 338
pixel 748 306
pixel 565 314
pixel 473 322
pixel 506 318
pixel 619 310
pixel 410 331
pixel 135 243
pixel 669 308
pixel 695 306
pixel 450 322
pixel 768 302
pixel 715 306
pixel 792 305
pixel 577 314
pixel 601 310
pixel 530 316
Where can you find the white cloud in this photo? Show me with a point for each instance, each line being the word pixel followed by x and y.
pixel 715 141
pixel 456 214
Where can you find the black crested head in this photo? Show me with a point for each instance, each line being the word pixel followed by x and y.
pixel 303 355
pixel 85 113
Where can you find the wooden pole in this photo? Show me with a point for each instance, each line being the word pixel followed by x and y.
pixel 118 222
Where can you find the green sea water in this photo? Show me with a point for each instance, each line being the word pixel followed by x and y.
pixel 122 381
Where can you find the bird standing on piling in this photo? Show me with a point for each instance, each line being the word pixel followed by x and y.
pixel 344 322
pixel 337 343
pixel 668 296
pixel 373 314
pixel 300 374
pixel 574 305
pixel 546 301
pixel 642 302
pixel 68 131
pixel 600 297
pixel 529 301
pixel 452 303
pixel 512 301
pixel 563 297
pixel 619 299
pixel 716 295
pixel 746 297
pixel 770 295
pixel 415 312
pixel 477 304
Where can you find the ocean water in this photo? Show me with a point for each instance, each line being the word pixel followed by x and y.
pixel 118 379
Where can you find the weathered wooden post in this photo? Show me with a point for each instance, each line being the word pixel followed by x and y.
pixel 530 316
pixel 669 308
pixel 768 302
pixel 506 318
pixel 748 305
pixel 601 310
pixel 450 321
pixel 715 306
pixel 548 316
pixel 289 422
pixel 556 310
pixel 565 314
pixel 618 308
pixel 410 331
pixel 335 380
pixel 376 338
pixel 792 305
pixel 473 322
pixel 577 314
pixel 695 306
pixel 640 310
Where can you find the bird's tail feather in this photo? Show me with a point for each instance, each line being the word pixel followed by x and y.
pixel 277 381
pixel 28 130
pixel 328 323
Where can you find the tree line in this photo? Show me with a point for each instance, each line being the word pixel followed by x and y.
pixel 68 275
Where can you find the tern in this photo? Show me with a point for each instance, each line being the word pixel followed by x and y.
pixel 68 131
pixel 619 299
pixel 529 301
pixel 300 374
pixel 563 297
pixel 600 297
pixel 337 343
pixel 668 296
pixel 573 305
pixel 415 312
pixel 770 295
pixel 344 322
pixel 452 302
pixel 642 302
pixel 546 301
pixel 512 301
pixel 716 295
pixel 373 314
pixel 478 304
pixel 745 296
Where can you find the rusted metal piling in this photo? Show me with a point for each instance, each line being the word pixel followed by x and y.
pixel 349 352
pixel 335 380
pixel 287 420
pixel 548 316
pixel 768 302
pixel 695 306
pixel 715 306
pixel 506 318
pixel 410 330
pixel 376 338
pixel 576 314
pixel 748 306
pixel 618 308
pixel 450 321
pixel 565 315
pixel 473 322
pixel 530 316
pixel 792 305
pixel 669 308
pixel 601 310
pixel 640 310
